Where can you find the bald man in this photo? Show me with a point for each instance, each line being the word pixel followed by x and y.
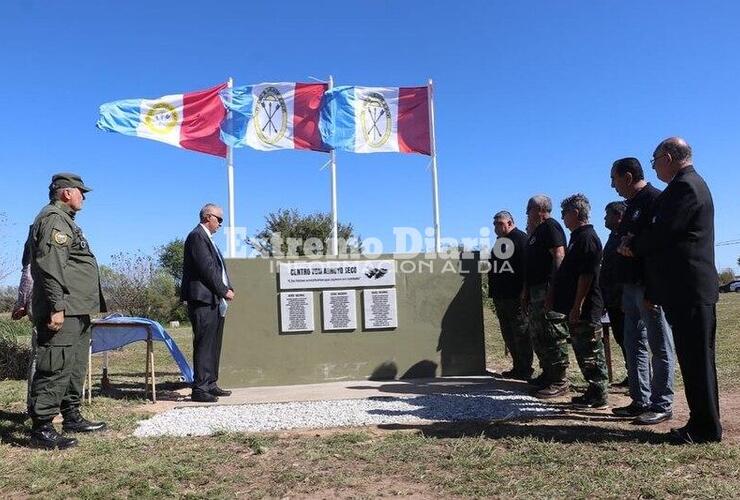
pixel 683 280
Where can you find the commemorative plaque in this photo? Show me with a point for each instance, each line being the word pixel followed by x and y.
pixel 340 310
pixel 380 308
pixel 296 312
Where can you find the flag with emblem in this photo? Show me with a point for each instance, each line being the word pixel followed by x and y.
pixel 377 119
pixel 189 121
pixel 269 116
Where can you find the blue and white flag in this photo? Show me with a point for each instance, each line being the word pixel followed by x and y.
pixel 377 119
pixel 269 116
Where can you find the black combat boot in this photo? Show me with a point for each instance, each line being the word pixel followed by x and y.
pixel 74 422
pixel 44 435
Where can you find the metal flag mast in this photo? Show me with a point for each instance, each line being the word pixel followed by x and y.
pixel 333 169
pixel 231 236
pixel 435 181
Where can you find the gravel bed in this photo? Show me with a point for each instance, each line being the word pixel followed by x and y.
pixel 444 407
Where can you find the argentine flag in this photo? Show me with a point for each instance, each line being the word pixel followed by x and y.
pixel 377 119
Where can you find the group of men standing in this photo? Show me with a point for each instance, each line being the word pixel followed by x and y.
pixel 659 282
pixel 658 286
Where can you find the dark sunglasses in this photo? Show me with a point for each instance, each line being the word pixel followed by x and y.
pixel 219 219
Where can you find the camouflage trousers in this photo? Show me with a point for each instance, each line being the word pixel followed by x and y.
pixel 550 344
pixel 588 346
pixel 513 324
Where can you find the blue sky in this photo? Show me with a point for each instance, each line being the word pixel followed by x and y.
pixel 531 96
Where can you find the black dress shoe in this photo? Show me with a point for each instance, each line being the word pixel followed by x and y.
pixel 653 417
pixel 631 410
pixel 683 435
pixel 74 422
pixel 46 436
pixel 217 391
pixel 203 397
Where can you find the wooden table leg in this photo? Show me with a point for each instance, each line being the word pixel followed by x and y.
pixel 146 372
pixel 89 375
pixel 154 380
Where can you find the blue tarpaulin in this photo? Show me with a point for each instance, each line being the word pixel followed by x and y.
pixel 117 331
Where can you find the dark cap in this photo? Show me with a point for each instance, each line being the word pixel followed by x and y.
pixel 67 180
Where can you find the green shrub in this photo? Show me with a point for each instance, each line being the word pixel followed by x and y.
pixel 15 352
pixel 13 329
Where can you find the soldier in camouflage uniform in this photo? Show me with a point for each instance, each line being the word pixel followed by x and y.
pixel 578 304
pixel 66 291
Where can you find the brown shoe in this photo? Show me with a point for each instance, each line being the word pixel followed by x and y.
pixel 553 390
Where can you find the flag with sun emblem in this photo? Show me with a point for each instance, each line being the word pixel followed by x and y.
pixel 377 119
pixel 269 116
pixel 189 121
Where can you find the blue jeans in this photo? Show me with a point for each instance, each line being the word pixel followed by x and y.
pixel 647 332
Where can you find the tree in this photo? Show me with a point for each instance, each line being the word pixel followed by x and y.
pixel 726 275
pixel 6 267
pixel 287 232
pixel 170 257
pixel 134 285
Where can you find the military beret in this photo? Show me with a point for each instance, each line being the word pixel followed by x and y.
pixel 68 180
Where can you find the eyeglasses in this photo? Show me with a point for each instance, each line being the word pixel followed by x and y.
pixel 652 162
pixel 219 219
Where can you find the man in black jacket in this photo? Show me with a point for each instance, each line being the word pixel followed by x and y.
pixel 683 280
pixel 648 341
pixel 609 282
pixel 207 289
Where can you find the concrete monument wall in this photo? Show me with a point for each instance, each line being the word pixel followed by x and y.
pixel 439 328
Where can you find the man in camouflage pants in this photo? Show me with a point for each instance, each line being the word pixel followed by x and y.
pixel 578 304
pixel 545 250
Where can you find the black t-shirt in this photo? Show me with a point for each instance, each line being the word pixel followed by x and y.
pixel 636 219
pixel 609 280
pixel 549 234
pixel 582 257
pixel 506 277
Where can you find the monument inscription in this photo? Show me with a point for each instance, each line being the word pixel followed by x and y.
pixel 296 312
pixel 340 310
pixel 380 307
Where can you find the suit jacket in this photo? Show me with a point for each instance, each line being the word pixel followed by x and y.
pixel 680 244
pixel 201 271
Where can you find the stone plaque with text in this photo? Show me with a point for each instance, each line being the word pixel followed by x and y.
pixel 340 310
pixel 296 312
pixel 380 308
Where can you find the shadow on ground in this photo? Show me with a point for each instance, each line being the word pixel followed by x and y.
pixel 542 431
pixel 166 391
pixel 13 428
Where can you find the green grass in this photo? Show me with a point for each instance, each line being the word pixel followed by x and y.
pixel 561 459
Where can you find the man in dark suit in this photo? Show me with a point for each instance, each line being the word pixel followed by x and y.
pixel 207 290
pixel 683 279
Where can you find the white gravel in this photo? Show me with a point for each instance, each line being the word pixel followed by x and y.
pixel 445 407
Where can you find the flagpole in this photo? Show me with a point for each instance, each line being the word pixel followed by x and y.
pixel 231 237
pixel 435 180
pixel 333 169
